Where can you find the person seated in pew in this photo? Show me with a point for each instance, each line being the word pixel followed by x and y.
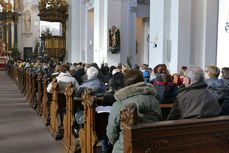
pixel 215 85
pixel 194 100
pixel 62 79
pixel 224 96
pixel 116 83
pixel 135 91
pixel 164 85
pixel 93 82
pixel 225 75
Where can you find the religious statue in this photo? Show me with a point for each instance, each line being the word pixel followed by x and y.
pixel 114 39
pixel 27 21
pixel 2 48
pixel 17 5
pixel 9 6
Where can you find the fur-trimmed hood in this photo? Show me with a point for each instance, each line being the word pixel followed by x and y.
pixel 140 88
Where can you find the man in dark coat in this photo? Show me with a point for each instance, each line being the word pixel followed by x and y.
pixel 194 100
pixel 98 86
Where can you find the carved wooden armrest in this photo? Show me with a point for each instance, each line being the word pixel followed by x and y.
pixel 54 84
pixel 129 114
pixel 69 90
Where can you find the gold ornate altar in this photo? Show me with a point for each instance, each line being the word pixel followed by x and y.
pixel 55 11
pixel 9 15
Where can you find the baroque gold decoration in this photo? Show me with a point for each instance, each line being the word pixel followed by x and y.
pixel 55 11
pixel 55 46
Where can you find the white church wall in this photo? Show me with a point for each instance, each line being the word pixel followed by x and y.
pixel 114 18
pixel 27 36
pixel 223 34
pixel 203 32
pixel 184 35
pixel 73 31
pixel 197 33
pixel 171 40
pixel 142 45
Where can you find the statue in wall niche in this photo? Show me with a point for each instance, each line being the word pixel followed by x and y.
pixel 27 21
pixel 114 39
pixel 17 5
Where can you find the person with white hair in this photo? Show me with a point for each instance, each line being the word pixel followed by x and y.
pixel 93 82
pixel 194 100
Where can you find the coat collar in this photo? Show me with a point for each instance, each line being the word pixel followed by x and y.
pixel 197 85
pixel 140 88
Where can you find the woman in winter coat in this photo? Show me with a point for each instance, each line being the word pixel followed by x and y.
pixel 138 92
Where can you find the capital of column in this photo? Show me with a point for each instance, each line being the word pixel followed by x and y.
pixel 88 2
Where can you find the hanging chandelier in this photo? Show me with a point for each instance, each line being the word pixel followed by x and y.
pixel 7 11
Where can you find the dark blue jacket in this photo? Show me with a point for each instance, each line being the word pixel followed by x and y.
pixel 166 93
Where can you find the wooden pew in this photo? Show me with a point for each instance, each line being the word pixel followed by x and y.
pixel 21 80
pixel 69 142
pixel 39 93
pixel 58 98
pixel 205 135
pixel 28 84
pixel 94 123
pixel 45 101
pixel 9 71
pixel 33 90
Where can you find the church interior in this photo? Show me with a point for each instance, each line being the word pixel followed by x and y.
pixel 114 76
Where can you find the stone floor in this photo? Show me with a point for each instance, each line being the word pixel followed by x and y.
pixel 21 129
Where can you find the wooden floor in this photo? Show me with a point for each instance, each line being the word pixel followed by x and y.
pixel 21 129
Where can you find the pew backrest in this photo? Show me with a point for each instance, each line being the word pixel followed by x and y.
pixel 205 135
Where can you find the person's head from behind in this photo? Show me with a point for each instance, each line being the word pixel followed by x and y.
pixel 192 75
pixel 211 72
pixel 63 69
pixel 125 67
pixel 143 67
pixel 57 69
pixel 225 73
pixel 162 70
pixel 115 71
pixel 133 77
pixel 183 69
pixel 92 72
pixel 117 81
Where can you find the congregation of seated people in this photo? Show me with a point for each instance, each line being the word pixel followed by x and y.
pixel 194 92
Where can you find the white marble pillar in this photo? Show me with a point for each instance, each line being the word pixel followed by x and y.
pixel 185 32
pixel 100 31
pixel 156 32
pixel 73 31
pixel 211 32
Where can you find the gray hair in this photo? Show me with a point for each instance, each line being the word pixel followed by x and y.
pixel 92 72
pixel 195 74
